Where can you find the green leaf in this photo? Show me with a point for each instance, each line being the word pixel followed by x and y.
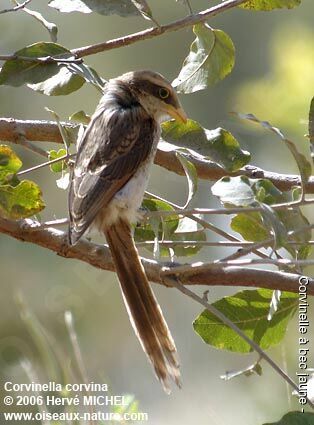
pixel 188 249
pixel 57 167
pixel 23 200
pixel 167 224
pixel 216 145
pixel 267 5
pixel 311 128
pixel 16 72
pixel 191 175
pixel 210 60
pixel 249 311
pixel 295 418
pixel 255 226
pixel 250 226
pixel 81 117
pixel 10 163
pixel 62 83
pixel 104 7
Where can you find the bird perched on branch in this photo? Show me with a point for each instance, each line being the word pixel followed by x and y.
pixel 108 182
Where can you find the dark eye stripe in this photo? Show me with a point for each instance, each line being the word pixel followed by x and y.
pixel 154 89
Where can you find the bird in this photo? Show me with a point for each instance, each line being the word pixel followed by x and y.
pixel 107 185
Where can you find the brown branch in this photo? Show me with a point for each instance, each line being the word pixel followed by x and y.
pixel 156 31
pixel 99 257
pixel 47 131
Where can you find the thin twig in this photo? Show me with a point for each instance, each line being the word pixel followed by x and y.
pixel 45 164
pixel 212 309
pixel 228 211
pixel 188 4
pixel 141 35
pixel 201 243
pixel 16 8
pixel 157 31
pixel 207 225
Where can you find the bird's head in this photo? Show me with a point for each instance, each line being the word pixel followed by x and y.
pixel 155 94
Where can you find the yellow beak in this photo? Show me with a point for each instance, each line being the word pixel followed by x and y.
pixel 176 113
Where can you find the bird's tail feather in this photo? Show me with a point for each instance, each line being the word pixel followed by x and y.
pixel 145 314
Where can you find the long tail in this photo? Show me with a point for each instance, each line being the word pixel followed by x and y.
pixel 144 311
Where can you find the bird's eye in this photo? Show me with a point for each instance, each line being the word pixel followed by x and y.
pixel 163 93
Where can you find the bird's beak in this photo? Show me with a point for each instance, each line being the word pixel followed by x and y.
pixel 177 113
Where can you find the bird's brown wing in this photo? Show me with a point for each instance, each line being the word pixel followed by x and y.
pixel 114 145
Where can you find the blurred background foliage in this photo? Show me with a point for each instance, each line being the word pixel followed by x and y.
pixel 273 78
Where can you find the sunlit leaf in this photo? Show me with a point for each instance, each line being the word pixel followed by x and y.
pixel 210 60
pixel 216 145
pixel 10 163
pixel 234 190
pixel 249 311
pixel 23 200
pixel 57 167
pixel 267 5
pixel 64 181
pixel 104 7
